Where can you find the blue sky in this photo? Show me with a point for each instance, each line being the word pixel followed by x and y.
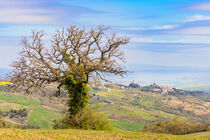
pixel 170 40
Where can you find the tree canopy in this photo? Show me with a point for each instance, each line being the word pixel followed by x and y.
pixel 73 57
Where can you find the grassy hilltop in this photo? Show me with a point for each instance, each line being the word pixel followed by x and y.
pixel 10 134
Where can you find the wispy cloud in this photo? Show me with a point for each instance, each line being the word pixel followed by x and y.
pixel 166 27
pixel 141 39
pixel 194 39
pixel 19 3
pixel 24 12
pixel 199 6
pixel 195 25
pixel 161 33
pixel 189 57
pixel 25 16
pixel 40 12
pixel 186 37
pixel 203 30
pixel 198 18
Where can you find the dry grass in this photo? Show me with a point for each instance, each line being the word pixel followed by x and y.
pixel 11 134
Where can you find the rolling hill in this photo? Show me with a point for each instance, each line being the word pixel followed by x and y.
pixel 148 104
pixel 37 114
pixel 128 108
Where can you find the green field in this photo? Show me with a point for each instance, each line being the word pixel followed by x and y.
pixel 38 115
pixel 129 109
pixel 19 99
pixel 7 106
pixel 129 126
pixel 43 117
pixel 10 134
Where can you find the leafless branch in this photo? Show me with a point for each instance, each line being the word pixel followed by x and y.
pixel 73 51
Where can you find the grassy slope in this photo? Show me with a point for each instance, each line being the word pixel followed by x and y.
pixel 124 110
pixel 19 99
pixel 130 126
pixel 11 134
pixel 128 111
pixel 38 115
pixel 43 117
pixel 139 108
pixel 201 135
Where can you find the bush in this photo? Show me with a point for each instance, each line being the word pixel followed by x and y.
pixel 29 127
pixel 88 119
pixel 4 124
pixel 176 127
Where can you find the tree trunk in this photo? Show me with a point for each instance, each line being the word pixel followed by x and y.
pixel 78 96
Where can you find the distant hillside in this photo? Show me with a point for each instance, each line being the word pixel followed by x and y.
pixel 196 87
pixel 27 110
pixel 155 88
pixel 4 72
pixel 148 104
pixel 128 108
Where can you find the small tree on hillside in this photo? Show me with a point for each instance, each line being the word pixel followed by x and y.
pixel 74 57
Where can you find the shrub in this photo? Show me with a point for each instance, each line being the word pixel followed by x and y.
pixel 29 127
pixel 4 124
pixel 176 127
pixel 88 119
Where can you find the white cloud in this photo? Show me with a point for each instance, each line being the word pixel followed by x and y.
pixel 151 28
pixel 200 6
pixel 203 30
pixel 134 28
pixel 24 12
pixel 181 38
pixel 140 39
pixel 198 18
pixel 188 58
pixel 25 16
pixel 166 27
pixel 194 39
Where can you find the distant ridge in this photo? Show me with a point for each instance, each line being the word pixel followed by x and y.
pixel 4 72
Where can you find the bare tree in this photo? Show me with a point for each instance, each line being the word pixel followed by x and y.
pixel 74 57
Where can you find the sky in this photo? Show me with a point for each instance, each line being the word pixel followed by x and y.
pixel 170 39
